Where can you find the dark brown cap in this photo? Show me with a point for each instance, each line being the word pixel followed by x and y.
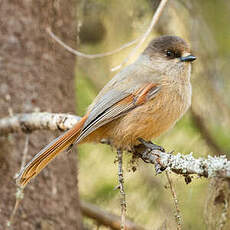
pixel 166 43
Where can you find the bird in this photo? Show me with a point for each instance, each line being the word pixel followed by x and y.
pixel 142 101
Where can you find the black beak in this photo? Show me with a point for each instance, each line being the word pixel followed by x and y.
pixel 188 58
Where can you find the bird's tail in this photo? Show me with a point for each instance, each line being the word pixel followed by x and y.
pixel 47 154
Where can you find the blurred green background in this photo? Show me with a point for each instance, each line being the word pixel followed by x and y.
pixel 105 26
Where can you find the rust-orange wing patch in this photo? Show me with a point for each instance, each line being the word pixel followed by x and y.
pixel 120 108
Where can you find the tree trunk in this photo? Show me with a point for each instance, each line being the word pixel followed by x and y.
pixel 36 74
pixel 217 212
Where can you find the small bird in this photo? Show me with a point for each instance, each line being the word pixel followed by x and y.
pixel 142 101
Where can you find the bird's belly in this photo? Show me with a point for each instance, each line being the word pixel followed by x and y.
pixel 147 121
pixel 144 122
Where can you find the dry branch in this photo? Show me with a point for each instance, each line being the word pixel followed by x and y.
pixel 89 56
pixel 28 122
pixel 179 163
pixel 139 40
pixel 106 218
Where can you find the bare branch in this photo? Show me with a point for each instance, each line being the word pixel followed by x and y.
pixel 28 122
pixel 179 163
pixel 89 56
pixel 155 19
pixel 141 39
pixel 106 218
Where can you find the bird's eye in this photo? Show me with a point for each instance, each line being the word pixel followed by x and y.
pixel 172 54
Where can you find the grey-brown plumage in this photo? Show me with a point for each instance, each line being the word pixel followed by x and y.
pixel 142 101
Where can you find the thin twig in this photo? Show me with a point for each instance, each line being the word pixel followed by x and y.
pixel 154 20
pixel 121 187
pixel 25 151
pixel 89 56
pixel 173 192
pixel 105 218
pixel 126 45
pixel 19 197
pixel 19 193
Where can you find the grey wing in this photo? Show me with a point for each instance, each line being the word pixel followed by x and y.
pixel 103 112
pixel 115 104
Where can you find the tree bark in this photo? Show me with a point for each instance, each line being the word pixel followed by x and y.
pixel 217 212
pixel 36 74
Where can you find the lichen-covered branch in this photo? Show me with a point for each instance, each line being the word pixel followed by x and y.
pixel 28 122
pixel 179 163
pixel 187 164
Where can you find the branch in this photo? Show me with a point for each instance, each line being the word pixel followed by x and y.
pixel 28 122
pixel 140 41
pixel 106 218
pixel 187 164
pixel 179 163
pixel 89 56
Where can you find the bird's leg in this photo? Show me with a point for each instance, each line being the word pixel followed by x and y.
pixel 106 141
pixel 151 145
pixel 121 187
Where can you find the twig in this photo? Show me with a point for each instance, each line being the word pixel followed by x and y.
pixel 173 192
pixel 25 151
pixel 126 45
pixel 105 218
pixel 19 193
pixel 89 56
pixel 179 163
pixel 19 197
pixel 121 187
pixel 154 20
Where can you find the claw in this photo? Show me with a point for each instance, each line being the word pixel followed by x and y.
pixel 151 145
pixel 158 168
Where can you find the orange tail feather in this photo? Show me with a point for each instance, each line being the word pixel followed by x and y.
pixel 47 154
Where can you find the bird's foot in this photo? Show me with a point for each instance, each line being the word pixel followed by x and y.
pixel 151 145
pixel 144 151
